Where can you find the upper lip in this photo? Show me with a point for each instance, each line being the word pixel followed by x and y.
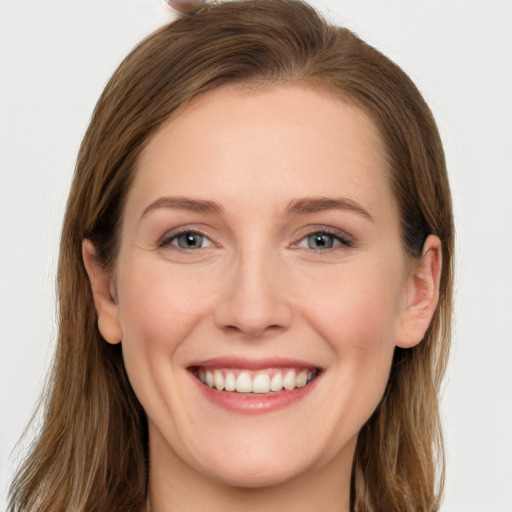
pixel 245 363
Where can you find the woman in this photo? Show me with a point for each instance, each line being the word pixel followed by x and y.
pixel 254 280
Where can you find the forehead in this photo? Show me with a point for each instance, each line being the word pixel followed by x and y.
pixel 296 140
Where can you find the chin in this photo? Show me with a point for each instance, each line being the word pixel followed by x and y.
pixel 269 462
pixel 260 475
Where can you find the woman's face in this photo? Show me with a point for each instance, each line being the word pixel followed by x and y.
pixel 260 250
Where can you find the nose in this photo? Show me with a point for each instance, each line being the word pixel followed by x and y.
pixel 255 299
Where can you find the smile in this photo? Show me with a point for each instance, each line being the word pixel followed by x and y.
pixel 264 381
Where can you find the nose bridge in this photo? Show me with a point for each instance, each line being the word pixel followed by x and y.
pixel 255 299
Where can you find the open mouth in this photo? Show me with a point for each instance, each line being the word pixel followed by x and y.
pixel 268 381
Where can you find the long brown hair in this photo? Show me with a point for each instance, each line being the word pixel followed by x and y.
pixel 91 453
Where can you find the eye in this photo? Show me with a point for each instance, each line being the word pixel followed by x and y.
pixel 323 240
pixel 187 240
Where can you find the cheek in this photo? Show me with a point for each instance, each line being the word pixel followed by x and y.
pixel 358 318
pixel 158 306
pixel 158 311
pixel 356 311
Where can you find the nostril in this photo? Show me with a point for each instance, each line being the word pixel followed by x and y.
pixel 252 331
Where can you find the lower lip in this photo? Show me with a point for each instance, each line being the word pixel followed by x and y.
pixel 255 403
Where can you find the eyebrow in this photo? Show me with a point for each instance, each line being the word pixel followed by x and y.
pixel 317 204
pixel 300 206
pixel 183 203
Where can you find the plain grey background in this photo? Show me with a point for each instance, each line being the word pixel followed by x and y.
pixel 55 58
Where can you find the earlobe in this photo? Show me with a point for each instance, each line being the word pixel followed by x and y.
pixel 422 295
pixel 104 295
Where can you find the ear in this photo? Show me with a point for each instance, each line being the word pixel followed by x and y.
pixel 422 295
pixel 103 291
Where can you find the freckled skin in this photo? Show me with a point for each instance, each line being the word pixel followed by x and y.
pixel 256 289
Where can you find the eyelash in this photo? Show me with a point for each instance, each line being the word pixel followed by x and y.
pixel 342 240
pixel 174 235
pixel 334 234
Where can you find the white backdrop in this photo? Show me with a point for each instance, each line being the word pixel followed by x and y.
pixel 55 57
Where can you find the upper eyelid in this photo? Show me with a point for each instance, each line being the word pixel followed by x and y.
pixel 340 243
pixel 174 233
pixel 335 232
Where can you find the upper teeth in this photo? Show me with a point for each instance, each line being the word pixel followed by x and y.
pixel 259 382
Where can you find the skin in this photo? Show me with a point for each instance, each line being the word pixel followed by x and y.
pixel 258 287
pixel 186 6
